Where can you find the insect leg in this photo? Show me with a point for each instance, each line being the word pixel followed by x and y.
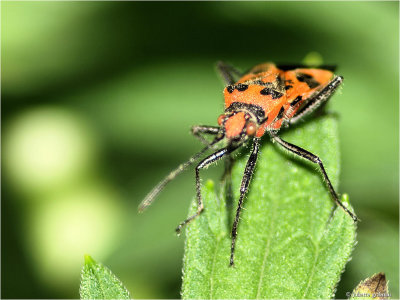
pixel 317 99
pixel 203 164
pixel 199 130
pixel 228 72
pixel 248 172
pixel 158 188
pixel 315 159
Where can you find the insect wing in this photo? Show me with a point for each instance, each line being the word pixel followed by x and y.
pixel 301 84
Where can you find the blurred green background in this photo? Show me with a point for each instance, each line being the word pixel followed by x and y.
pixel 97 102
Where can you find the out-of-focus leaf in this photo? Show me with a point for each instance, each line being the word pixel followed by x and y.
pixel 289 245
pixel 98 282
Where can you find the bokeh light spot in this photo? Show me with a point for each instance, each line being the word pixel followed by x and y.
pixel 59 231
pixel 46 148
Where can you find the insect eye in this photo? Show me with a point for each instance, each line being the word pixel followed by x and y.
pixel 251 129
pixel 221 119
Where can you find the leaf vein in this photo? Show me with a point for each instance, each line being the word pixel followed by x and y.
pixel 267 247
pixel 213 267
pixel 317 252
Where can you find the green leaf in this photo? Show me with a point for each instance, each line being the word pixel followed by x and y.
pixel 374 287
pixel 98 282
pixel 290 244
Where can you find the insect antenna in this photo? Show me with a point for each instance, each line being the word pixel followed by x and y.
pixel 159 187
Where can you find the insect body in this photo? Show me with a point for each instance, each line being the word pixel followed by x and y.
pixel 257 103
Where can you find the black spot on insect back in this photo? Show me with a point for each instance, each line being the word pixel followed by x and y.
pixel 258 111
pixel 274 94
pixel 241 87
pixel 288 87
pixel 230 89
pixel 311 82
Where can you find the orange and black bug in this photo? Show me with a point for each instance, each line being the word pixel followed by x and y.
pixel 261 101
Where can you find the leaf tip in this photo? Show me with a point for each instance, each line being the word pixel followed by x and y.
pixel 98 282
pixel 313 59
pixel 210 184
pixel 346 199
pixel 89 260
